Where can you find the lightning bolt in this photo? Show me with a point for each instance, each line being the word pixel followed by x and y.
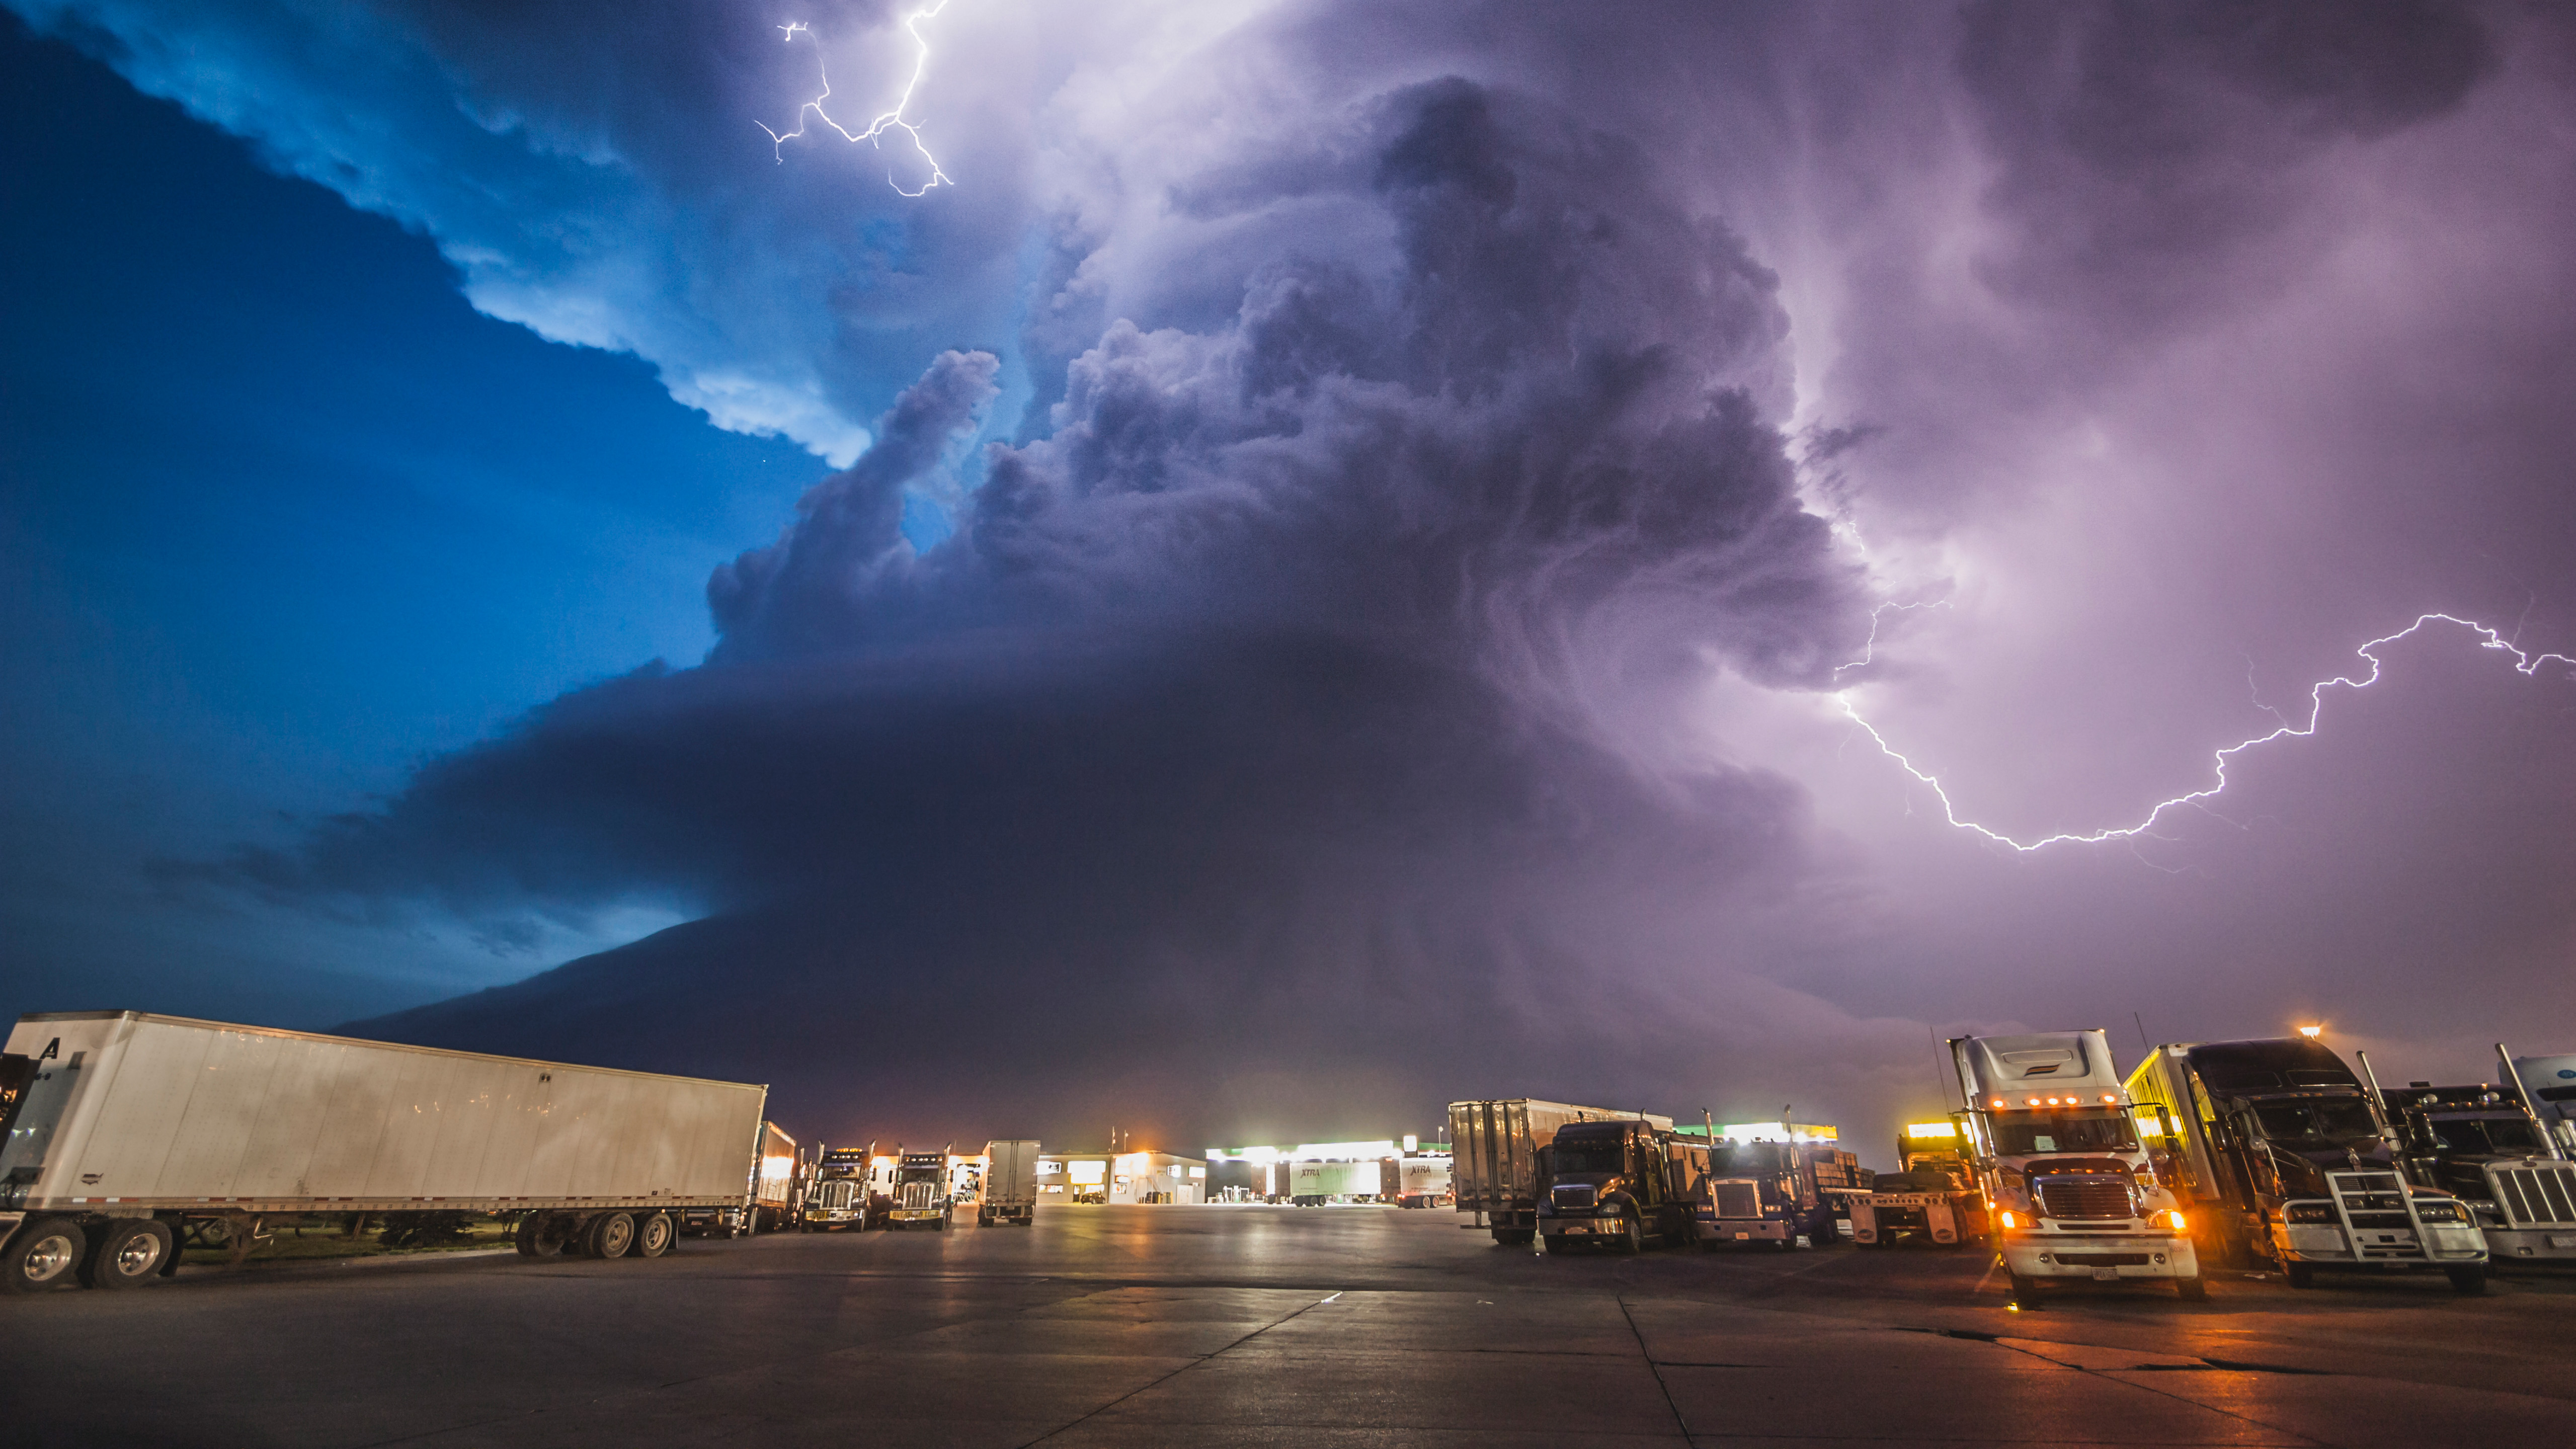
pixel 892 120
pixel 2525 664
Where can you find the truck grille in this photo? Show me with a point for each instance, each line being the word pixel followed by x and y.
pixel 2084 1197
pixel 1573 1195
pixel 919 1196
pixel 2540 1193
pixel 1737 1199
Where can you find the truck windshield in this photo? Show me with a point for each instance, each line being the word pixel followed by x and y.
pixel 2024 1134
pixel 1595 1156
pixel 2486 1134
pixel 2316 1121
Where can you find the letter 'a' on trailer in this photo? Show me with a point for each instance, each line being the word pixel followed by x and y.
pixel 124 1117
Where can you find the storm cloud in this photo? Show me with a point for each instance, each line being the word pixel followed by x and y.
pixel 1410 485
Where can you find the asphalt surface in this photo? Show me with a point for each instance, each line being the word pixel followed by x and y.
pixel 1225 1326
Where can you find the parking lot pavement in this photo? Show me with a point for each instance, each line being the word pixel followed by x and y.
pixel 1260 1326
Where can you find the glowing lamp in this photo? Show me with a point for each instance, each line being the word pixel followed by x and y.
pixel 2174 1220
pixel 2009 1219
pixel 2312 1032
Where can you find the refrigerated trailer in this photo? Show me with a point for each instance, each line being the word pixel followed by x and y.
pixel 128 1133
pixel 1494 1161
pixel 1010 1183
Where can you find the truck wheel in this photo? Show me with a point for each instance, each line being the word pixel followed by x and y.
pixel 1631 1237
pixel 654 1235
pixel 2299 1275
pixel 610 1235
pixel 2193 1289
pixel 1514 1237
pixel 532 1239
pixel 127 1254
pixel 44 1254
pixel 2468 1282
pixel 2025 1291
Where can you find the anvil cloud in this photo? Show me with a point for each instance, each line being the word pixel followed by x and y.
pixel 1417 478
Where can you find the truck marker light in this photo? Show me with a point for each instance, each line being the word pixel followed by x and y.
pixel 2112 1098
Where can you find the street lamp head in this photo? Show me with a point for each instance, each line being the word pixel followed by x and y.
pixel 2312 1032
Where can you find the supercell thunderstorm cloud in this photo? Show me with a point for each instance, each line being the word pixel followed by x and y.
pixel 1380 554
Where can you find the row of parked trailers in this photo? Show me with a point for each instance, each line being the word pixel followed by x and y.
pixel 129 1137
pixel 2268 1153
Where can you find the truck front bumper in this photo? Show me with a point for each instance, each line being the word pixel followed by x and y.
pixel 2444 1245
pixel 2509 1245
pixel 2102 1257
pixel 1742 1230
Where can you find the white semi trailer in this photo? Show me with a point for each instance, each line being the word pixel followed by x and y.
pixel 128 1132
pixel 1010 1183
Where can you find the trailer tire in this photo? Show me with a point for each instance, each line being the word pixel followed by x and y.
pixel 42 1255
pixel 654 1235
pixel 126 1254
pixel 2194 1289
pixel 2298 1274
pixel 2468 1281
pixel 611 1235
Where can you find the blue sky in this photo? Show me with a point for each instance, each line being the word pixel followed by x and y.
pixel 281 515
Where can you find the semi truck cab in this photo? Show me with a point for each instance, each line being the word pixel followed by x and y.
pixel 1763 1192
pixel 921 1192
pixel 2478 1143
pixel 2071 1188
pixel 1932 1198
pixel 839 1195
pixel 2277 1149
pixel 1608 1183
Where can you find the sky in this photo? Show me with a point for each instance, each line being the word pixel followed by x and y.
pixel 1252 569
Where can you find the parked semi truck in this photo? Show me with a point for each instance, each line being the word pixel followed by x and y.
pixel 2074 1191
pixel 2482 1144
pixel 129 1135
pixel 1010 1184
pixel 1932 1198
pixel 2278 1156
pixel 921 1191
pixel 1770 1192
pixel 1613 1184
pixel 1315 1184
pixel 839 1195
pixel 1494 1162
pixel 2552 1081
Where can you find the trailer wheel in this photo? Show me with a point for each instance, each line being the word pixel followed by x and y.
pixel 45 1253
pixel 2194 1289
pixel 2468 1282
pixel 654 1235
pixel 610 1235
pixel 127 1254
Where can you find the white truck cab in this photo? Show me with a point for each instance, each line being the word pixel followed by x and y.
pixel 2072 1193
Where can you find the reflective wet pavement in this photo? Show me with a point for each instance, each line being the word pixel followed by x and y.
pixel 1257 1326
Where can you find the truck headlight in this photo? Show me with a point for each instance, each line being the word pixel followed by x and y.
pixel 2173 1220
pixel 2308 1212
pixel 2443 1211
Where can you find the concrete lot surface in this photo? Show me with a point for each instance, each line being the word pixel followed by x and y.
pixel 1223 1326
